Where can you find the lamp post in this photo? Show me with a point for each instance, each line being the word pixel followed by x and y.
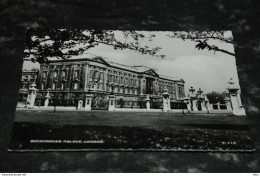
pixel 218 103
pixel 200 91
pixel 192 90
pixel 182 100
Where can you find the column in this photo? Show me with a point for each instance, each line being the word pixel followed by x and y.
pixel 142 85
pixel 86 80
pixel 105 79
pixel 177 91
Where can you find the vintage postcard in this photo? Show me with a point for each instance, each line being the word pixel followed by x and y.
pixel 129 90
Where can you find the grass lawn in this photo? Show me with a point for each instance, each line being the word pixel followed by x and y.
pixel 36 130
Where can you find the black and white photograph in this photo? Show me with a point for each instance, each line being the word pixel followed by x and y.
pixel 91 90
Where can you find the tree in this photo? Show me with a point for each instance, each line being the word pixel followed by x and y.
pixel 42 44
pixel 215 97
pixel 202 38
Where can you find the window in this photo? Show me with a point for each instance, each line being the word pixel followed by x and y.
pixel 44 75
pixel 63 74
pixel 62 86
pixel 75 86
pixel 42 86
pixel 76 73
pixel 32 78
pixel 91 75
pixel 101 77
pixel 112 78
pixel 55 74
pixel 25 78
pixel 53 86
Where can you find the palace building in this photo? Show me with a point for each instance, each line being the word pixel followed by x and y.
pixel 28 78
pixel 69 80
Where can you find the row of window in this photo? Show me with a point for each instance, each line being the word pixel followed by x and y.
pixel 62 86
pixel 63 74
pixel 165 83
pixel 123 90
pixel 122 74
pixel 29 78
pixel 170 88
pixel 98 86
pixel 94 75
pixel 122 80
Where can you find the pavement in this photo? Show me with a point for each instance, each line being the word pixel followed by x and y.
pixel 58 108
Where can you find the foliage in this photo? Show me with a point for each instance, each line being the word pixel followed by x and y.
pixel 215 97
pixel 42 44
pixel 202 38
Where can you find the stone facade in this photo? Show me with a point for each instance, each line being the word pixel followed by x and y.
pixel 73 79
pixel 28 78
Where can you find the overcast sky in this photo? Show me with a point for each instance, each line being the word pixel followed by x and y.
pixel 200 69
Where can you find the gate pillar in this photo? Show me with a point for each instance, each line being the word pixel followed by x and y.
pixel 46 102
pixel 166 101
pixel 187 101
pixel 88 102
pixel 31 96
pixel 147 102
pixel 80 103
pixel 111 106
pixel 238 108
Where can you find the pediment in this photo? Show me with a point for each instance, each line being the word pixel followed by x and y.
pixel 151 72
pixel 100 60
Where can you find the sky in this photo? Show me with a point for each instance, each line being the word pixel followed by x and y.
pixel 198 68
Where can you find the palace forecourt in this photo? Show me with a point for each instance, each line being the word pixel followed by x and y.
pixel 99 84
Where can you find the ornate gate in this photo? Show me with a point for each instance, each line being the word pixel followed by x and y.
pixel 99 102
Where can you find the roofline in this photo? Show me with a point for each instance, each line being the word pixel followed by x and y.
pixel 170 79
pixel 107 63
pixel 69 60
